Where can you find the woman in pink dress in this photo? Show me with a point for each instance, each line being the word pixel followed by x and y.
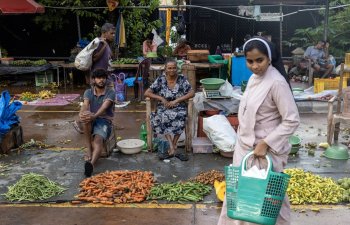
pixel 267 116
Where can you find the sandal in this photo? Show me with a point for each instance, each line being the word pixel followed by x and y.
pixel 181 156
pixel 89 168
pixel 165 156
pixel 76 127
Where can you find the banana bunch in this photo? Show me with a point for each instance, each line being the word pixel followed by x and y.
pixel 345 184
pixel 46 94
pixel 28 96
pixel 305 187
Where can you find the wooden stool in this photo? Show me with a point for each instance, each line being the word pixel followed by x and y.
pixel 109 144
pixel 13 139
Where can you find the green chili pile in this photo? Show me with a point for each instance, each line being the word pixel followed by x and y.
pixel 33 187
pixel 187 191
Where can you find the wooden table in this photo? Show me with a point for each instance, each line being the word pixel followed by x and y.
pixel 189 70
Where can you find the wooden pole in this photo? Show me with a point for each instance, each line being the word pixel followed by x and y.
pixel 148 124
pixel 340 94
pixel 168 25
pixel 188 141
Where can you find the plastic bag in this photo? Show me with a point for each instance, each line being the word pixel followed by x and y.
pixel 226 89
pixel 156 38
pixel 255 172
pixel 83 61
pixel 220 132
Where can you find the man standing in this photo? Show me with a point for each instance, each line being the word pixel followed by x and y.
pixel 100 60
pixel 96 116
pixel 318 55
pixel 103 54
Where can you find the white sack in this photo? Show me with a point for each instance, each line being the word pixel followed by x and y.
pixel 83 61
pixel 220 132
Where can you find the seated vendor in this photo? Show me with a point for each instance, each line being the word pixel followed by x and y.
pixel 149 45
pixel 318 55
pixel 171 90
pixel 181 49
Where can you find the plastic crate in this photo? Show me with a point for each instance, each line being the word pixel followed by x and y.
pixel 347 59
pixel 253 199
pixel 42 79
pixel 328 84
pixel 346 75
pixel 202 145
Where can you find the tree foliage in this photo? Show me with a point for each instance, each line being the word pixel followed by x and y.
pixel 338 31
pixel 137 20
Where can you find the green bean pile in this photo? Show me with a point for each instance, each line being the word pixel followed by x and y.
pixel 188 191
pixel 33 187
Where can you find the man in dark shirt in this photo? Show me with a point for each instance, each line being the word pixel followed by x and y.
pixel 100 60
pixel 96 115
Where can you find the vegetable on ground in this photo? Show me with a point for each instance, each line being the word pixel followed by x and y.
pixel 119 186
pixel 33 187
pixel 180 191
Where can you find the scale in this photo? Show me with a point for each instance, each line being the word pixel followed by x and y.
pixel 213 94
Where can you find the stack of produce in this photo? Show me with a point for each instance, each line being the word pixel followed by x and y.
pixel 28 96
pixel 116 187
pixel 46 94
pixel 209 177
pixel 33 187
pixel 125 61
pixel 345 184
pixel 186 191
pixel 305 187
pixel 27 62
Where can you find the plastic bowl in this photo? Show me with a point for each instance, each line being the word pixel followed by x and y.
pixel 130 146
pixel 151 55
pixel 294 150
pixel 294 140
pixel 212 83
pixel 337 152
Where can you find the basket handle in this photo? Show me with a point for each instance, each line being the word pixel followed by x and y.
pixel 243 164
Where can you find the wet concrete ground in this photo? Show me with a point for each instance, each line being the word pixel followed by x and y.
pixel 65 165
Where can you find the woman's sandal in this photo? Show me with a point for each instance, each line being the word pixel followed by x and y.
pixel 181 156
pixel 165 156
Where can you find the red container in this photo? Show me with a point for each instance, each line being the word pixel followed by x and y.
pixel 233 119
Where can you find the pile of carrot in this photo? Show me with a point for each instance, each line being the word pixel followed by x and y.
pixel 121 186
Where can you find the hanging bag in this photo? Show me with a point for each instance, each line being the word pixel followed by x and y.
pixel 83 61
pixel 255 200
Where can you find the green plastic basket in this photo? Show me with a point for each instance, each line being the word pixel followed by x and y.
pixel 252 199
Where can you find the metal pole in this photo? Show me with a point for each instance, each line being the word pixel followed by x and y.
pixel 78 25
pixel 326 15
pixel 281 27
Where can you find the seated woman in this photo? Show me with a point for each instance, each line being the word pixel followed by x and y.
pixel 149 45
pixel 181 49
pixel 171 90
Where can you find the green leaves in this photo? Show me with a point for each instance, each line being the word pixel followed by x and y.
pixel 338 33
